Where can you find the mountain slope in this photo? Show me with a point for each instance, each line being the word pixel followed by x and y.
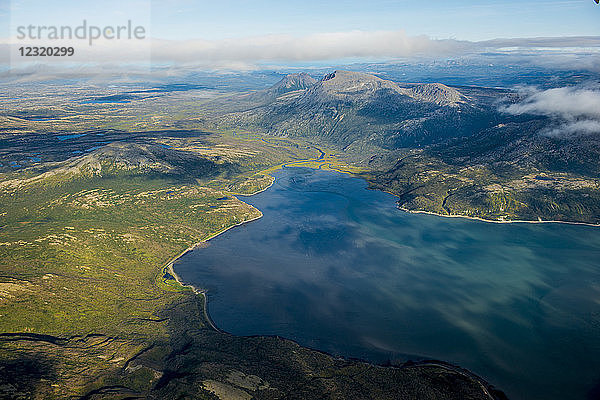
pixel 90 308
pixel 291 83
pixel 508 172
pixel 465 156
pixel 346 107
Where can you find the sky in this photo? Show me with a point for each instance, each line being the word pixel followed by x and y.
pixel 249 31
pixel 460 19
pixel 441 19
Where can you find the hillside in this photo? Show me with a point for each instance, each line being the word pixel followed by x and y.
pixel 351 108
pixel 292 83
pixel 90 309
pixel 465 155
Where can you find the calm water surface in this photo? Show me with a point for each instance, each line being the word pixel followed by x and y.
pixel 337 267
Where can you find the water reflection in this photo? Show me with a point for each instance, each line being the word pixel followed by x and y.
pixel 337 267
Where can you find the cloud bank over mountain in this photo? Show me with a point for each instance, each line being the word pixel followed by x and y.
pixel 576 109
pixel 250 52
pixel 566 102
pixel 352 45
pixel 316 47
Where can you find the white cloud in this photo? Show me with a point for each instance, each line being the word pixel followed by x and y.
pixel 566 102
pixel 244 53
pixel 575 109
pixel 544 42
pixel 316 47
pixel 575 128
pixel 249 52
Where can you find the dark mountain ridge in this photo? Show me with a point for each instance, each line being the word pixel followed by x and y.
pixel 345 107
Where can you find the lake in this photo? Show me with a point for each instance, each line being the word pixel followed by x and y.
pixel 337 267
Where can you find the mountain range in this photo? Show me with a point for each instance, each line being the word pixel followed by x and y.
pixel 466 155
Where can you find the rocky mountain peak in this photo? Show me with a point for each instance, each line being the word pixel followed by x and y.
pixel 348 86
pixel 293 82
pixel 341 76
pixel 436 93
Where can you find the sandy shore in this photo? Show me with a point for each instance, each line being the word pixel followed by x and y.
pixel 515 221
pixel 169 266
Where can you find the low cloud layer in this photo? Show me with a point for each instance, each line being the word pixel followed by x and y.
pixel 379 45
pixel 569 129
pixel 565 102
pixel 316 47
pixel 576 109
pixel 544 42
pixel 259 49
pixel 249 52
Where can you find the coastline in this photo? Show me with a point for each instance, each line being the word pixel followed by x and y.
pixel 514 221
pixel 168 267
pixel 491 221
pixel 485 386
pixel 257 192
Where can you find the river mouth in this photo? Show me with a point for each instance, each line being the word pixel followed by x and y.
pixel 337 267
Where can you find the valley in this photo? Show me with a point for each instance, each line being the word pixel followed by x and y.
pixel 102 186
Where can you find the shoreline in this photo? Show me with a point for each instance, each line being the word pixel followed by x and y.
pixel 254 193
pixel 168 268
pixel 485 386
pixel 514 221
pixel 491 221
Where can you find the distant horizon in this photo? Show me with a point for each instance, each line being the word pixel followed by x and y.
pixel 237 35
pixel 575 53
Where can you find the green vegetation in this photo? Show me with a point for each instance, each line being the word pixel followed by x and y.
pixel 442 150
pixel 88 310
pixel 97 200
pixel 425 183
